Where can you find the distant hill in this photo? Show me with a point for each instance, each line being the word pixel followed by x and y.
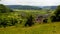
pixel 24 7
pixel 49 7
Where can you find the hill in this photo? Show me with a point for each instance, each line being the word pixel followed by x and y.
pixel 49 7
pixel 24 7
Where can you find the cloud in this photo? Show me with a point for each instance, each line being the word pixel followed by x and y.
pixel 31 2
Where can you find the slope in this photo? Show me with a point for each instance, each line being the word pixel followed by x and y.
pixel 51 28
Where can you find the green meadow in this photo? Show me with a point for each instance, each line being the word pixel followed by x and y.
pixel 52 28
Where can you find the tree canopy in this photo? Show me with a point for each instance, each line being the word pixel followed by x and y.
pixel 4 9
pixel 56 17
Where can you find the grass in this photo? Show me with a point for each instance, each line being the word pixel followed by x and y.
pixel 51 28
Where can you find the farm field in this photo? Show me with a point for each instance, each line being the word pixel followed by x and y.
pixel 52 28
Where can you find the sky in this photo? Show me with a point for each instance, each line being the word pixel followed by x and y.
pixel 31 2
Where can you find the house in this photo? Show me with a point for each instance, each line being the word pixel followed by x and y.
pixel 42 18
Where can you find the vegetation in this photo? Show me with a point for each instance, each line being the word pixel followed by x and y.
pixel 9 17
pixel 4 9
pixel 29 21
pixel 56 16
pixel 17 20
pixel 52 28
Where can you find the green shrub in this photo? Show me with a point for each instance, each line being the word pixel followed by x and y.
pixel 29 21
pixel 7 21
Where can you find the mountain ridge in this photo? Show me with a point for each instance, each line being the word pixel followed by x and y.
pixel 24 7
pixel 27 7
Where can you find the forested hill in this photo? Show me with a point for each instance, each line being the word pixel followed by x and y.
pixel 24 7
pixel 49 7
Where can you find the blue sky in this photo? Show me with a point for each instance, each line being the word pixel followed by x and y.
pixel 31 2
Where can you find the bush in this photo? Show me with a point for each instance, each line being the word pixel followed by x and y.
pixel 13 21
pixel 8 21
pixel 29 21
pixel 45 20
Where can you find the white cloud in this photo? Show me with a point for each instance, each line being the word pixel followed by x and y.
pixel 31 2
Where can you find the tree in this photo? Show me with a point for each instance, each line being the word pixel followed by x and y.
pixel 29 21
pixel 57 12
pixel 4 9
pixel 56 17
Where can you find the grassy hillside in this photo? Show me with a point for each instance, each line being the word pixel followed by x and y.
pixel 52 28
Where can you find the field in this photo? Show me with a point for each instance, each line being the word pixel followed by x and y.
pixel 52 28
pixel 48 28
